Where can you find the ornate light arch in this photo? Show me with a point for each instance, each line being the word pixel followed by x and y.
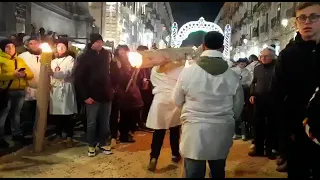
pixel 193 26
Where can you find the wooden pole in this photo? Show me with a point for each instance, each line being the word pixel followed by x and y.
pixel 42 98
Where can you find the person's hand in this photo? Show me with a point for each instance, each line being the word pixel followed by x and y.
pixel 50 72
pixel 89 101
pixel 252 99
pixel 19 74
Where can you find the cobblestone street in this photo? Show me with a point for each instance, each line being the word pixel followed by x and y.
pixel 128 160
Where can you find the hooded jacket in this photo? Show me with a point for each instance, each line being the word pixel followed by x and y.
pixel 7 69
pixel 294 81
pixel 211 97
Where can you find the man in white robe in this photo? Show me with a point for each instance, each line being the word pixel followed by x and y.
pixel 211 97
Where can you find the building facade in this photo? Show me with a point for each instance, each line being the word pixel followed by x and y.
pixel 256 25
pixel 133 23
pixel 64 18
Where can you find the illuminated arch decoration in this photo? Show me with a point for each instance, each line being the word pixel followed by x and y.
pixel 193 26
pixel 227 41
pixel 201 25
pixel 174 31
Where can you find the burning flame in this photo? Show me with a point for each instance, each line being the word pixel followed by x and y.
pixel 45 48
pixel 135 59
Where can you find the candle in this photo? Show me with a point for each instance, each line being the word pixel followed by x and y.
pixel 42 98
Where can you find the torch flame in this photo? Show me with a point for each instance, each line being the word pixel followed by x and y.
pixel 135 59
pixel 45 48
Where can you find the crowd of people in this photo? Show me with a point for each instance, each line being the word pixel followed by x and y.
pixel 271 99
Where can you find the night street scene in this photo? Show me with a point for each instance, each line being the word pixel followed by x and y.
pixel 159 90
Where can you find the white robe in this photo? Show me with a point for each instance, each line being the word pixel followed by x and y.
pixel 62 96
pixel 210 105
pixel 33 62
pixel 163 113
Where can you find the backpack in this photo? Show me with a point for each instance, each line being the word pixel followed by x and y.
pixel 312 121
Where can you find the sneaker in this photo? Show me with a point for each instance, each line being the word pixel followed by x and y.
pixel 176 159
pixel 4 144
pixel 68 142
pixel 236 137
pixel 91 151
pixel 106 150
pixel 152 164
pixel 113 143
pixel 244 138
pixel 252 146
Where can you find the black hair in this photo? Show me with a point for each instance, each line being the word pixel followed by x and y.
pixel 305 5
pixel 116 51
pixel 142 48
pixel 254 57
pixel 213 40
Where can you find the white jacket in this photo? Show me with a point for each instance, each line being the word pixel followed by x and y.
pixel 163 113
pixel 210 104
pixel 244 75
pixel 33 61
pixel 62 96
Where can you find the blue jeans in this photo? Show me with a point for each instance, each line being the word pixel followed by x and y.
pixel 98 114
pixel 13 110
pixel 197 168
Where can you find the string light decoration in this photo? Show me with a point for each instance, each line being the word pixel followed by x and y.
pixel 193 26
pixel 227 41
pixel 174 31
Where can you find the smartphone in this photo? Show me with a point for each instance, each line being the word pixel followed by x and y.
pixel 22 69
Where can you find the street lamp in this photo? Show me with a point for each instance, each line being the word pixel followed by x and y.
pixel 284 22
pixel 245 41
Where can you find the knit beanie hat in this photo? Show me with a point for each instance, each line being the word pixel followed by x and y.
pixel 63 41
pixel 95 37
pixel 4 43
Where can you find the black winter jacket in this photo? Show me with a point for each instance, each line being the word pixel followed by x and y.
pixel 295 79
pixel 92 76
pixel 262 76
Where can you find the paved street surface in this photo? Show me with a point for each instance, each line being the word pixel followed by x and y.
pixel 128 160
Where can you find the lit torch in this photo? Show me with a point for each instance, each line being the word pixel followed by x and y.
pixel 42 97
pixel 135 60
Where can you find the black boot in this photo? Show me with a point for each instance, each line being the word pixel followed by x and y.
pixel 152 164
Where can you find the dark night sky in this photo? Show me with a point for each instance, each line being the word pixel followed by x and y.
pixel 184 12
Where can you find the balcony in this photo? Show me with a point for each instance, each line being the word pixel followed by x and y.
pixel 275 23
pixel 255 32
pixel 264 6
pixel 256 10
pixel 290 13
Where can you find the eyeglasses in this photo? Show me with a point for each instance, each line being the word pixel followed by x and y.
pixel 312 18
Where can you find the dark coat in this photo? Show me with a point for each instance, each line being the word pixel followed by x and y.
pixel 92 76
pixel 132 98
pixel 295 79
